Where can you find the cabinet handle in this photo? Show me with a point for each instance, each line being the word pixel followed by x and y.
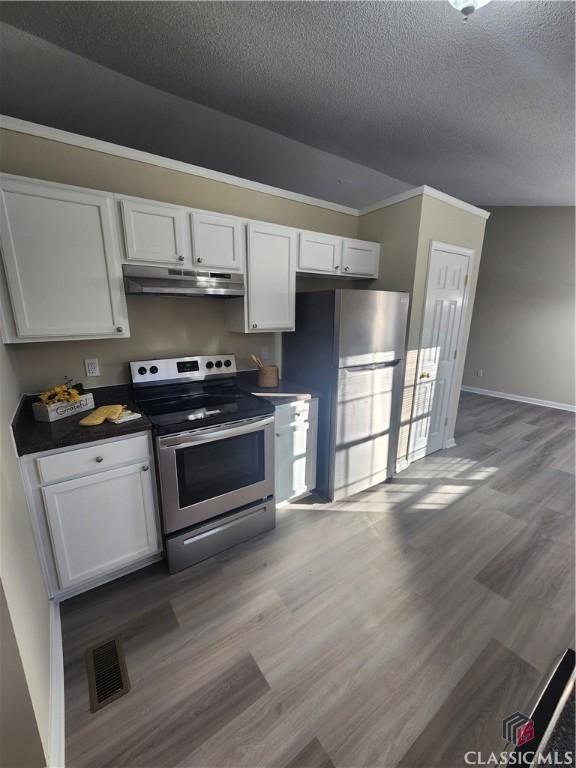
pixel 199 260
pixel 145 468
pixel 254 325
pixel 277 434
pixel 180 257
pixel 346 269
pixel 119 329
pixel 336 266
pixel 99 459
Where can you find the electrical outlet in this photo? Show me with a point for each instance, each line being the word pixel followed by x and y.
pixel 480 372
pixel 92 367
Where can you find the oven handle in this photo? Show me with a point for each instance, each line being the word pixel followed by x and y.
pixel 208 434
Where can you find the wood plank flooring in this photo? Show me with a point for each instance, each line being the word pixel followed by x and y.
pixel 395 628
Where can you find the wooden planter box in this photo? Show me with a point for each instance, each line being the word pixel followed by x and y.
pixel 62 410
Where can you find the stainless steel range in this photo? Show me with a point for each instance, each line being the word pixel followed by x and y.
pixel 215 454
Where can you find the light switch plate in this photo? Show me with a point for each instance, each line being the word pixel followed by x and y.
pixel 92 367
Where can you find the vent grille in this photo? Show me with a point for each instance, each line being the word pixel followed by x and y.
pixel 107 673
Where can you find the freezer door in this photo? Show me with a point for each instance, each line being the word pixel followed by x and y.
pixel 371 326
pixel 366 427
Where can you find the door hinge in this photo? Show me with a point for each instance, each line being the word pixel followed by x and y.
pixel 465 280
pixel 455 353
pixel 446 421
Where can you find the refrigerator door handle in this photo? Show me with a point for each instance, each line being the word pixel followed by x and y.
pixel 373 366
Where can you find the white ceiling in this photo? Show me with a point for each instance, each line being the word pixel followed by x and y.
pixel 483 110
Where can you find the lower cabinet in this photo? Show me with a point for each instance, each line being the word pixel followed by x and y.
pixel 101 522
pixel 93 520
pixel 296 429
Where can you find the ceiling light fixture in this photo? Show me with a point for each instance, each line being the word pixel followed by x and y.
pixel 467 7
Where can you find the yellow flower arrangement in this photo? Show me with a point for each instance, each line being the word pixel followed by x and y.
pixel 61 393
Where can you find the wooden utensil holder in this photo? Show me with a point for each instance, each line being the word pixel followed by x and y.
pixel 268 376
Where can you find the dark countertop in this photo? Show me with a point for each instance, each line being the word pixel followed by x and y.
pixel 285 392
pixel 35 436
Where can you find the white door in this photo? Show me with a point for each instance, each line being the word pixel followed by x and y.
pixel 360 258
pixel 445 292
pixel 101 523
pixel 155 233
pixel 271 270
pixel 217 242
pixel 62 262
pixel 320 254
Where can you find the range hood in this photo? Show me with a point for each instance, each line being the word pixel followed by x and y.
pixel 171 281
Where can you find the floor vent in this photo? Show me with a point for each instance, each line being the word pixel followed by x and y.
pixel 107 673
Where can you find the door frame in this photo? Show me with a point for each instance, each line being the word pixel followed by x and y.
pixel 454 392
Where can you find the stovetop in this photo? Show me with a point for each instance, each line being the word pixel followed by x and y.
pixel 173 414
pixel 181 394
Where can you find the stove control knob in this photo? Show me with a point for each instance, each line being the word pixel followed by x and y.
pixel 218 363
pixel 153 369
pixel 227 363
pixel 142 371
pixel 209 365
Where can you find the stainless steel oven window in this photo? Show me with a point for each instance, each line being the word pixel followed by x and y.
pixel 211 471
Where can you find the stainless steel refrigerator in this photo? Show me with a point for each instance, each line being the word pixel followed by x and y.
pixel 349 345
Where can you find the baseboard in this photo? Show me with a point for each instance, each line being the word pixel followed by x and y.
pixel 450 443
pixel 401 464
pixel 56 750
pixel 521 398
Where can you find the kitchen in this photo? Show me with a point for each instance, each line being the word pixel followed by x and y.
pixel 147 232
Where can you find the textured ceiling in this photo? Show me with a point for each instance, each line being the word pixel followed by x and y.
pixel 482 110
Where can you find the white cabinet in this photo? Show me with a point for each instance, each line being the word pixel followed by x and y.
pixel 61 255
pixel 327 255
pixel 101 522
pixel 296 430
pixel 93 511
pixel 155 233
pixel 269 303
pixel 319 254
pixel 360 258
pixel 217 242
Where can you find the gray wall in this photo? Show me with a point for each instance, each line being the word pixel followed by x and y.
pixel 522 334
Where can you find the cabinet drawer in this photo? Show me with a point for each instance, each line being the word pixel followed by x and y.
pixel 292 413
pixel 82 461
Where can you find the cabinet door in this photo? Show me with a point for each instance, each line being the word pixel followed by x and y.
pixel 101 523
pixel 155 233
pixel 320 254
pixel 217 242
pixel 271 268
pixel 295 452
pixel 360 258
pixel 61 256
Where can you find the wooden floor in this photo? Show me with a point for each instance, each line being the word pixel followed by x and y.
pixel 396 628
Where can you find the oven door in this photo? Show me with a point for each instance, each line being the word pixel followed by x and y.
pixel 207 472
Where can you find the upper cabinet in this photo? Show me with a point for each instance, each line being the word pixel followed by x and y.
pixel 217 242
pixel 325 255
pixel 360 258
pixel 155 233
pixel 320 254
pixel 61 257
pixel 270 281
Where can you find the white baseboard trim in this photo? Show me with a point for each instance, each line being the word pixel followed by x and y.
pixel 401 464
pixel 521 398
pixel 56 748
pixel 450 443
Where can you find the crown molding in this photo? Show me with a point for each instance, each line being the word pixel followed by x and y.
pixel 97 145
pixel 431 192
